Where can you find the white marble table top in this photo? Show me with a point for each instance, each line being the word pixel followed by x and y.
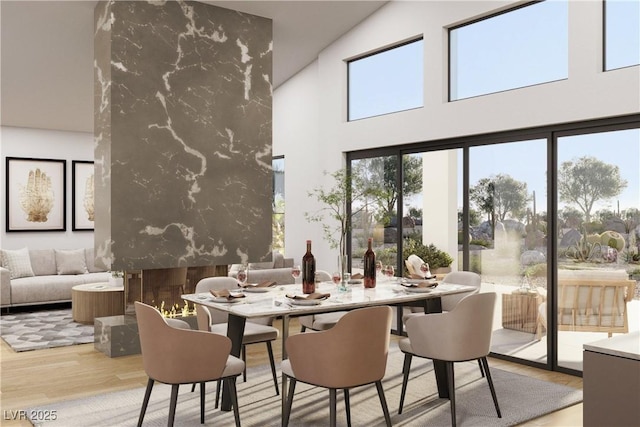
pixel 275 303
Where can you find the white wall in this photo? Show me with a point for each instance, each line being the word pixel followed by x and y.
pixel 310 127
pixel 44 144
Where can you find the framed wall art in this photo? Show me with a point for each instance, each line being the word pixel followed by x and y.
pixel 35 193
pixel 82 212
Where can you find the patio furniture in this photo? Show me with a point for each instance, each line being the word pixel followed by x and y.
pixel 591 305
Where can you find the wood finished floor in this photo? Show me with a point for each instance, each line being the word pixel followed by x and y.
pixel 45 376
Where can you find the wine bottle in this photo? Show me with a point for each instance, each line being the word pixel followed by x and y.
pixel 308 271
pixel 369 266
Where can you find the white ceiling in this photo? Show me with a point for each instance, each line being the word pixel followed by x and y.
pixel 46 78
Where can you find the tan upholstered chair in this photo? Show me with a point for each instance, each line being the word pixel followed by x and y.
pixel 165 359
pixel 450 301
pixel 255 331
pixel 324 321
pixel 459 335
pixel 351 354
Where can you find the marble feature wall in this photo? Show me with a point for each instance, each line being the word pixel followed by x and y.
pixel 183 134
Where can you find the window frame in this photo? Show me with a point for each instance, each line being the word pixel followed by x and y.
pixel 419 38
pixel 474 21
pixel 604 43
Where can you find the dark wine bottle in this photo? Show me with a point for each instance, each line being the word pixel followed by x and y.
pixel 369 266
pixel 308 271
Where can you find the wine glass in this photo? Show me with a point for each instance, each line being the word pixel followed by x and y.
pixel 295 272
pixel 336 277
pixel 242 277
pixel 378 268
pixel 390 272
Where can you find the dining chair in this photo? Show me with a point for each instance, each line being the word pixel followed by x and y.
pixel 467 278
pixel 165 360
pixel 459 335
pixel 256 330
pixel 351 354
pixel 324 321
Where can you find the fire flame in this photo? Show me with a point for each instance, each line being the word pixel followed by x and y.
pixel 176 310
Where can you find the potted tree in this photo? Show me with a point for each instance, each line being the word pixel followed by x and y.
pixel 333 216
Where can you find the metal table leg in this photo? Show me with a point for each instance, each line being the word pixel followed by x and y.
pixel 434 305
pixel 285 334
pixel 235 331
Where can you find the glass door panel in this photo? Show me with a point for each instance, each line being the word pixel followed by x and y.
pixel 431 196
pixel 374 210
pixel 508 240
pixel 598 239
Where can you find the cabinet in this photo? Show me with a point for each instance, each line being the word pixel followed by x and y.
pixel 611 381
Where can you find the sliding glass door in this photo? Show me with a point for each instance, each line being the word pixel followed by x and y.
pixel 598 261
pixel 374 209
pixel 550 219
pixel 508 240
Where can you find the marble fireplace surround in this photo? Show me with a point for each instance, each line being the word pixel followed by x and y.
pixel 183 135
pixel 118 335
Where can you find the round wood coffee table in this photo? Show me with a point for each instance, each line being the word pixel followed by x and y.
pixel 96 300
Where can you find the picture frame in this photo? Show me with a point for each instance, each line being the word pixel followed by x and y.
pixel 35 194
pixel 82 195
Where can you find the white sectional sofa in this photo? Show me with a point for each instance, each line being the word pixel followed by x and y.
pixel 42 276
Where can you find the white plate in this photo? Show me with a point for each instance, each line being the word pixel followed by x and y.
pixel 255 289
pixel 227 301
pixel 417 281
pixel 305 301
pixel 417 289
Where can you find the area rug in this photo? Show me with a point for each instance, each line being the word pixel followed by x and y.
pixel 521 398
pixel 43 329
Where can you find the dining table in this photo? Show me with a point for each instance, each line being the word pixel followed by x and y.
pixel 277 302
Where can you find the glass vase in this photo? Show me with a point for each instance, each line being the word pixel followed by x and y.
pixel 343 268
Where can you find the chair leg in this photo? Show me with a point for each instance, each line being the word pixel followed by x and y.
pixel 383 402
pixel 287 408
pixel 145 401
pixel 273 367
pixel 244 359
pixel 202 394
pixel 480 366
pixel 193 387
pixel 332 407
pixel 347 405
pixel 172 404
pixel 218 387
pixel 406 367
pixel 452 391
pixel 491 387
pixel 234 399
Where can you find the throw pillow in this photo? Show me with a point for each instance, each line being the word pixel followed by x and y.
pixel 260 265
pixel 91 261
pixel 71 262
pixel 17 262
pixel 278 260
pixel 43 262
